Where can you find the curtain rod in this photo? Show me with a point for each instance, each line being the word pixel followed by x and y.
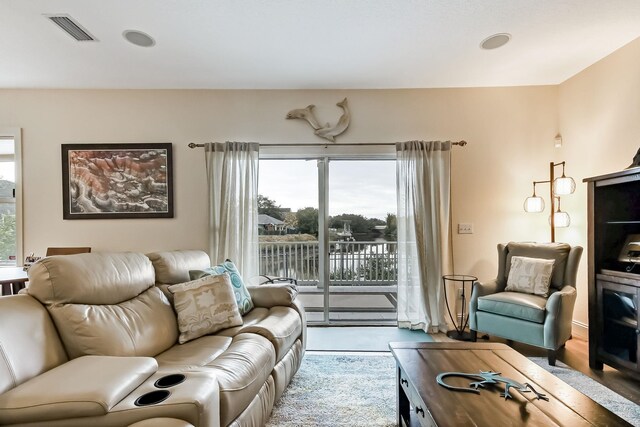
pixel 461 143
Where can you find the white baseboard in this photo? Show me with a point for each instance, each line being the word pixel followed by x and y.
pixel 580 330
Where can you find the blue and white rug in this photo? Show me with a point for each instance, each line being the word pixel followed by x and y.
pixel 622 407
pixel 342 389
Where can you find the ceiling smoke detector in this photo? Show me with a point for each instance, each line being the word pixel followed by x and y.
pixel 138 38
pixel 71 27
pixel 495 41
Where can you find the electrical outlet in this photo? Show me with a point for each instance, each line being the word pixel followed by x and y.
pixel 465 228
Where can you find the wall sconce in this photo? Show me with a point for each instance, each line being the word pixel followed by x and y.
pixel 557 187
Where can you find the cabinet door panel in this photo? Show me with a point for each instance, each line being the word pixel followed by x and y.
pixel 618 323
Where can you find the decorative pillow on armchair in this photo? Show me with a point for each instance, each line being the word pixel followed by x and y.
pixel 205 306
pixel 245 304
pixel 530 275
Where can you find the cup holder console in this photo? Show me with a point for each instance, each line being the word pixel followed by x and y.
pixel 157 396
pixel 169 381
pixel 152 398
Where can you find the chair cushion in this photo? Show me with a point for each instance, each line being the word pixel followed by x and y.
pixel 205 306
pixel 530 275
pixel 515 304
pixel 556 251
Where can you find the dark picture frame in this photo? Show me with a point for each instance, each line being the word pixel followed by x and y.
pixel 111 181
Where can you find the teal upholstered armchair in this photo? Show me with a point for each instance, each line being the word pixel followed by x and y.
pixel 540 319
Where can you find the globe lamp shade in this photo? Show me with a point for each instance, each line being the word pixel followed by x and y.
pixel 563 186
pixel 534 204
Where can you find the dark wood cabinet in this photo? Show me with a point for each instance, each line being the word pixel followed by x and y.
pixel 614 276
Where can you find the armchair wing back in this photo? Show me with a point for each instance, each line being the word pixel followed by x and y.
pixel 534 319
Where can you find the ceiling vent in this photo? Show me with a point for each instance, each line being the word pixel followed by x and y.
pixel 71 27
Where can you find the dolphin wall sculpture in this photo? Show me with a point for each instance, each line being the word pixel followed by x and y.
pixel 327 132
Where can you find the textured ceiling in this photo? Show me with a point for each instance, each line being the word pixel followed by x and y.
pixel 319 44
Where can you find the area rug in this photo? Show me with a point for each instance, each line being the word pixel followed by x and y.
pixel 339 390
pixel 617 404
pixel 359 390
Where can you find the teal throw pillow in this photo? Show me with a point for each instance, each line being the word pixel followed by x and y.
pixel 239 288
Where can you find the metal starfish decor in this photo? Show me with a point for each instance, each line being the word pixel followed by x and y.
pixel 488 378
pixel 327 131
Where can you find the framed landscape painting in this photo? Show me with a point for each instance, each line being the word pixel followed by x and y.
pixel 117 181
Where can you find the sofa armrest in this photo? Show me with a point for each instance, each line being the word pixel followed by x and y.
pixel 482 289
pixel 271 295
pixel 479 290
pixel 559 297
pixel 83 387
pixel 558 322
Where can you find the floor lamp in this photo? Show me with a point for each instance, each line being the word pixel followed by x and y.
pixel 557 187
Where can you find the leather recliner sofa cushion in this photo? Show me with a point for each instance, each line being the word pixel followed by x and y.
pixel 193 354
pixel 92 278
pixel 173 267
pixel 105 303
pixel 280 325
pixel 83 387
pixel 29 343
pixel 142 326
pixel 241 368
pixel 161 422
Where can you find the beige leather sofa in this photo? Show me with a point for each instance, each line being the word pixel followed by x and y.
pixel 88 343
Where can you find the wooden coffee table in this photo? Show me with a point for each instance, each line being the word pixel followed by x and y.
pixel 423 402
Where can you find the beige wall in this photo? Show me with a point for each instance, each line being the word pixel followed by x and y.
pixel 599 116
pixel 510 133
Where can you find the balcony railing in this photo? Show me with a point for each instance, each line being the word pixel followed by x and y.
pixel 350 263
pixel 362 279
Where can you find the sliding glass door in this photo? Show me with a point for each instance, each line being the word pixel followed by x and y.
pixel 288 228
pixel 362 241
pixel 330 224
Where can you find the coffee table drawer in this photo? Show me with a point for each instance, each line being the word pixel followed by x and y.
pixel 417 414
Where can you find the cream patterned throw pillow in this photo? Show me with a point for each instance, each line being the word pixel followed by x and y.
pixel 205 306
pixel 245 304
pixel 530 275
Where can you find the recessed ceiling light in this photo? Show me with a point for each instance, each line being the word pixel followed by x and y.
pixel 139 38
pixel 495 41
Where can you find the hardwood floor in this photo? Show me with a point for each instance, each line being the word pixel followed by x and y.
pixel 576 355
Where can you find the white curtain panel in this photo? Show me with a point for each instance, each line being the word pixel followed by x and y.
pixel 424 232
pixel 232 178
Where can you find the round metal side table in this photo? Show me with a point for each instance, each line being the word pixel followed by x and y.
pixel 459 332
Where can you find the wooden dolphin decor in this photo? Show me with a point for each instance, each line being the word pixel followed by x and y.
pixel 327 132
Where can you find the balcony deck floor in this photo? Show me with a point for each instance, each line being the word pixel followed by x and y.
pixel 365 309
